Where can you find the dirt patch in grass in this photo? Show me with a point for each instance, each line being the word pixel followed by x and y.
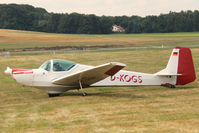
pixel 84 47
pixel 12 40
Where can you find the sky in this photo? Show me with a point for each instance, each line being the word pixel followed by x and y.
pixel 111 7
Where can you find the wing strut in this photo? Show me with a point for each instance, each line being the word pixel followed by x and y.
pixel 80 85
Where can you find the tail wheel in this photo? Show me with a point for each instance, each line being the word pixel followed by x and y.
pixel 172 86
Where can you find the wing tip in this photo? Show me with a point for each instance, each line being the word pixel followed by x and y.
pixel 116 68
pixel 118 64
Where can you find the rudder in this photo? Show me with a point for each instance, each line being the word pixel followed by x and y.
pixel 186 71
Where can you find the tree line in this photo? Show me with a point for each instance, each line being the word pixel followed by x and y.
pixel 27 17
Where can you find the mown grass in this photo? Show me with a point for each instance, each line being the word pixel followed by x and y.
pixel 150 109
pixel 12 39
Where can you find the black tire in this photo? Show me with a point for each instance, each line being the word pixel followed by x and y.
pixel 53 95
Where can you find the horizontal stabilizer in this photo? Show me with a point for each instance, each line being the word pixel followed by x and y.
pixel 165 72
pixel 168 74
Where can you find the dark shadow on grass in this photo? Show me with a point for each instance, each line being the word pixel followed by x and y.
pixel 182 88
pixel 120 94
pixel 104 94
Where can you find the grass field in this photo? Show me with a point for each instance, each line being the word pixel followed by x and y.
pixel 150 109
pixel 12 39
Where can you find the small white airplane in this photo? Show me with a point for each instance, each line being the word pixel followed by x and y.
pixel 56 76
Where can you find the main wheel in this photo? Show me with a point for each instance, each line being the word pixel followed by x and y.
pixel 53 95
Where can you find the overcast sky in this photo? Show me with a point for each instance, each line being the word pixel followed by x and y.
pixel 111 7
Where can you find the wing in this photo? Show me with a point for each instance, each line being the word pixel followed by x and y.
pixel 90 76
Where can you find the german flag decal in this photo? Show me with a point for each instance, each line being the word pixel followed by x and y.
pixel 175 53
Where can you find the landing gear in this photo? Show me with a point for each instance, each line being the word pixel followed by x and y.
pixel 84 94
pixel 80 85
pixel 53 95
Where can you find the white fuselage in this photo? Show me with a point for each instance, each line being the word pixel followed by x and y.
pixel 42 79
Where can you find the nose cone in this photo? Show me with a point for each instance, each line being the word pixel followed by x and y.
pixel 8 71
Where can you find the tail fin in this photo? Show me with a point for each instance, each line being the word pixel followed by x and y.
pixel 180 65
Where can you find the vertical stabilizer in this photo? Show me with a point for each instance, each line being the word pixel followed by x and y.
pixel 172 66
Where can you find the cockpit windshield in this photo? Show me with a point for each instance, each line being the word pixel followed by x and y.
pixel 46 65
pixel 62 65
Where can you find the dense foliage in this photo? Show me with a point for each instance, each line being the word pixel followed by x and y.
pixel 26 17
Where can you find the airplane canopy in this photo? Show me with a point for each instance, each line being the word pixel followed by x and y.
pixel 57 65
pixel 46 65
pixel 62 65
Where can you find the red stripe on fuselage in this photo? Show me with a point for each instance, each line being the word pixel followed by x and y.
pixel 22 71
